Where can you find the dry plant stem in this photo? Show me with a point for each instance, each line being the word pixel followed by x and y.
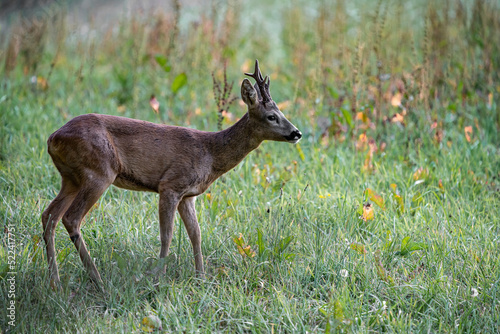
pixel 222 96
pixel 380 19
pixel 175 31
pixel 355 78
pixel 378 104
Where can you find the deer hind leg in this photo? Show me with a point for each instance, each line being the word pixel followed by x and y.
pixel 169 201
pixel 87 196
pixel 50 218
pixel 187 212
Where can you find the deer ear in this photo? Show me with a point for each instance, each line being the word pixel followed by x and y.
pixel 248 93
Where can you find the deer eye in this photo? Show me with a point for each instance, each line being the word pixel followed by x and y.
pixel 271 118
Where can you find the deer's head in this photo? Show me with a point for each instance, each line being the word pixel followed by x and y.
pixel 269 123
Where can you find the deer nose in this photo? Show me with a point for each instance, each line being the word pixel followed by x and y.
pixel 296 134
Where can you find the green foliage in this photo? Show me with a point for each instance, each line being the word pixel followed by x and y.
pixel 407 246
pixel 163 62
pixel 278 252
pixel 179 82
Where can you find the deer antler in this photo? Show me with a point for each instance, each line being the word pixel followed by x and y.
pixel 262 83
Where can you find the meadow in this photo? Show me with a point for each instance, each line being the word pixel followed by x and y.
pixel 383 218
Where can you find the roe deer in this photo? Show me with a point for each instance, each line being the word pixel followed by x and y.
pixel 93 151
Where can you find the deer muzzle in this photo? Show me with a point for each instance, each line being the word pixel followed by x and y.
pixel 294 137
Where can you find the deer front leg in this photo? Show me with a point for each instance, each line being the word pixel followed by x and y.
pixel 168 204
pixel 188 214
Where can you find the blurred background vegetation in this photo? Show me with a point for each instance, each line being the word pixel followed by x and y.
pixel 383 218
pixel 392 61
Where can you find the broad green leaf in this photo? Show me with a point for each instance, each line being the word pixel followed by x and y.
pixel 163 62
pixel 404 245
pixel 332 92
pixel 347 117
pixel 179 82
pixel 415 246
pixel 285 242
pixel 408 246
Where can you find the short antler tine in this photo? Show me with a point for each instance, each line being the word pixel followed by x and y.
pixel 268 84
pixel 256 73
pixel 264 81
pixel 257 70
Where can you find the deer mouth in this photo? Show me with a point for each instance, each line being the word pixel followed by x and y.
pixel 294 137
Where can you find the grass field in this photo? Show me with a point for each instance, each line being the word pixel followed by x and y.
pixel 384 218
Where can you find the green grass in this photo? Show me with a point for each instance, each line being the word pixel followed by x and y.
pixel 318 267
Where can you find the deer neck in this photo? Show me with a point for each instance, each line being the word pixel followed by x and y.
pixel 233 144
